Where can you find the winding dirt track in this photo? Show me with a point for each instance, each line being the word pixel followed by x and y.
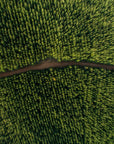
pixel 52 63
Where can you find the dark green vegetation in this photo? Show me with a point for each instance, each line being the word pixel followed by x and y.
pixel 32 31
pixel 71 105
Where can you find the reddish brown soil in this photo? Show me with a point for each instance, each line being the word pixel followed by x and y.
pixel 52 64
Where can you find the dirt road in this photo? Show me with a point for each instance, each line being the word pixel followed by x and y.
pixel 52 63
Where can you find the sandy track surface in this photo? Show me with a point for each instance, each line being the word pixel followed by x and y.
pixel 52 63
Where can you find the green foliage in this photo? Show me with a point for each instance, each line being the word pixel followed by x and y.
pixel 71 105
pixel 34 30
